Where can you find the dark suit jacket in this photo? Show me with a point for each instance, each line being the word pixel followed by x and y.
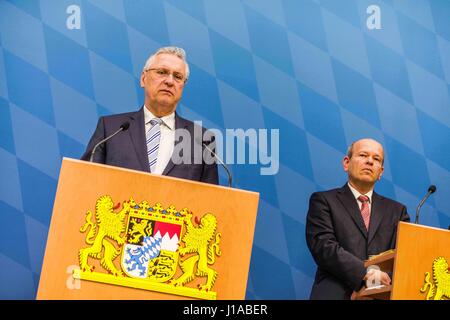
pixel 339 242
pixel 128 149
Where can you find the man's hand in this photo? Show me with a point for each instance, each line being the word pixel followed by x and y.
pixel 376 277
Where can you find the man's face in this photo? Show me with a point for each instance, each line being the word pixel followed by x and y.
pixel 366 164
pixel 162 92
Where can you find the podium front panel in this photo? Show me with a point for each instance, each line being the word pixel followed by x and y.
pixel 136 261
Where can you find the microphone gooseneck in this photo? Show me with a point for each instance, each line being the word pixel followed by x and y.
pixel 230 179
pixel 123 127
pixel 431 189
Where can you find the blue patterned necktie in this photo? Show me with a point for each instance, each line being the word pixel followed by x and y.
pixel 153 138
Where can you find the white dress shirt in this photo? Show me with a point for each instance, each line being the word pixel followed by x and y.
pixel 167 140
pixel 356 193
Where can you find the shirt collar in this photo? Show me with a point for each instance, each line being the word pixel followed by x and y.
pixel 168 121
pixel 356 193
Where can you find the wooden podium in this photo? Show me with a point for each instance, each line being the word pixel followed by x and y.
pixel 422 256
pixel 123 234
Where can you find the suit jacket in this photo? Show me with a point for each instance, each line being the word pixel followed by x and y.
pixel 339 242
pixel 128 149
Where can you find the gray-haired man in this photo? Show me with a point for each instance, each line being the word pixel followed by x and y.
pixel 149 143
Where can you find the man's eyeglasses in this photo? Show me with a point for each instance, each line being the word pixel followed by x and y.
pixel 162 73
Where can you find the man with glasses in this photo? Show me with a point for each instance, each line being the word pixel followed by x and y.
pixel 150 143
pixel 347 225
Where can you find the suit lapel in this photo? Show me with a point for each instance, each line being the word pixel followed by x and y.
pixel 350 204
pixel 137 133
pixel 376 215
pixel 180 123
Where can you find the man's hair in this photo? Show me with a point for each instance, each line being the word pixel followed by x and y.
pixel 179 52
pixel 350 150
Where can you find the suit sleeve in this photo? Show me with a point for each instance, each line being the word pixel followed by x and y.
pixel 404 216
pixel 99 135
pixel 210 174
pixel 326 250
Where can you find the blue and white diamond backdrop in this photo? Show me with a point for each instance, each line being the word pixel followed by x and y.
pixel 323 72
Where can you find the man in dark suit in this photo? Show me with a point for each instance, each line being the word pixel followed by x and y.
pixel 158 140
pixel 347 225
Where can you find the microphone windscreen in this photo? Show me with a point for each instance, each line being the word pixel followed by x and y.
pixel 125 126
pixel 432 189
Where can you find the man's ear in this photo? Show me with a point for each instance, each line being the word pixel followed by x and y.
pixel 345 163
pixel 381 173
pixel 142 79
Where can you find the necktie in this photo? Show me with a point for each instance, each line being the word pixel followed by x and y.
pixel 365 209
pixel 153 137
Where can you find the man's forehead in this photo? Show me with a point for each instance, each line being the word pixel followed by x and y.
pixel 168 60
pixel 369 145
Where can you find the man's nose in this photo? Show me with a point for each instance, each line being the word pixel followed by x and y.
pixel 169 79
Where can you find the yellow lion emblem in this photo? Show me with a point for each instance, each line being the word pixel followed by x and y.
pixel 441 276
pixel 110 226
pixel 197 240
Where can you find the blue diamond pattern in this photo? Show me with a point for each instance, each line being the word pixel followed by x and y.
pixel 181 26
pixel 436 140
pixel 441 11
pixel 3 87
pixel 36 240
pixel 108 37
pixel 234 65
pixel 52 17
pixel 310 69
pixel 313 67
pixel 68 62
pixel 22 35
pixel 30 7
pixel 389 34
pixel 270 232
pixel 435 100
pixel 284 101
pixel 304 18
pixel 401 122
pixel 36 87
pixel 12 228
pixel 280 280
pixel 137 13
pixel 388 69
pixel 36 188
pixel 422 49
pixel 38 148
pixel 322 118
pixel 347 10
pixel 420 12
pixel 15 275
pixel 7 140
pixel 10 183
pixel 217 19
pixel 273 51
pixel 398 155
pixel 346 43
pixel 362 104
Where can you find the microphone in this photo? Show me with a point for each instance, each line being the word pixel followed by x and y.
pixel 123 127
pixel 431 190
pixel 199 141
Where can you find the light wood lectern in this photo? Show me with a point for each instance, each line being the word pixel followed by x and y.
pixel 123 234
pixel 419 265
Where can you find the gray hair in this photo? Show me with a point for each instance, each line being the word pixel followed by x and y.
pixel 176 51
pixel 350 150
